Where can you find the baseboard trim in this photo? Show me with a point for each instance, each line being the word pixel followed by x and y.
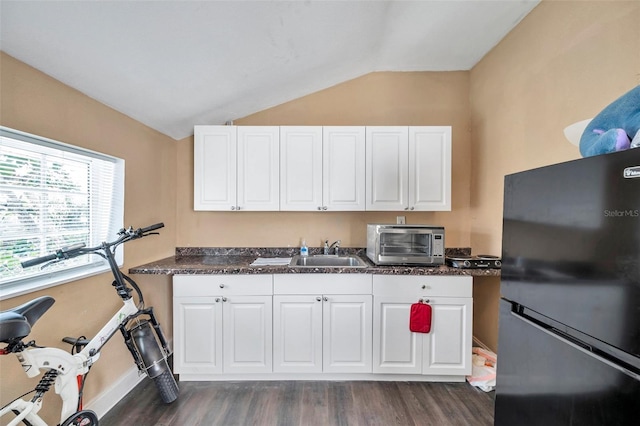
pixel 105 401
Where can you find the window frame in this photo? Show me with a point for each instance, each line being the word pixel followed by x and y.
pixel 24 285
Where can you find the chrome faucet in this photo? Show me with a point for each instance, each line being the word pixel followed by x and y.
pixel 335 246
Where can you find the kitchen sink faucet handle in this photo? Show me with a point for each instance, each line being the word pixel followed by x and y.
pixel 336 246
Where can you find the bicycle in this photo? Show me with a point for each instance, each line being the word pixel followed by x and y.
pixel 68 370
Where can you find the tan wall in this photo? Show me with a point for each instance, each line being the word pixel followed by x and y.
pixel 563 63
pixel 35 103
pixel 413 98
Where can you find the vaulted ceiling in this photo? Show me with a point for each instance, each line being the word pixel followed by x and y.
pixel 174 64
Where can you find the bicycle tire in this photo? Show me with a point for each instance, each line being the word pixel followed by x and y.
pixel 167 386
pixel 82 418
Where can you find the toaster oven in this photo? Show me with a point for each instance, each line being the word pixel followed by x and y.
pixel 405 244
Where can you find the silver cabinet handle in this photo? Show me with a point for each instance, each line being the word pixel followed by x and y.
pixel 406 208
pixel 424 286
pixel 238 208
pixel 217 299
pixel 233 207
pixel 224 299
pixel 326 299
pixel 411 208
pixel 319 208
pixel 319 299
pixel 221 285
pixel 324 207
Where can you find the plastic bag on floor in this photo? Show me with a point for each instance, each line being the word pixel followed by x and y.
pixel 483 375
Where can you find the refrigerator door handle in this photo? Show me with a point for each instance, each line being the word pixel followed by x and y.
pixel 579 347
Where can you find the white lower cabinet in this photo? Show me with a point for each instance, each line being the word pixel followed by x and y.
pixel 322 323
pixel 347 333
pixel 197 335
pixel 222 324
pixel 298 325
pixel 446 350
pixel 297 334
pixel 246 332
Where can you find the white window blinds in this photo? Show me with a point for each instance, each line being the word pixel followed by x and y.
pixel 54 195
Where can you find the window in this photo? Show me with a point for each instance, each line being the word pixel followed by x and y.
pixel 53 195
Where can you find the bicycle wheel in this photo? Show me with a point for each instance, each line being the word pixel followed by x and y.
pixel 167 386
pixel 82 418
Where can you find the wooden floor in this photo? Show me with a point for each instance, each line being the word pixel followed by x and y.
pixel 287 403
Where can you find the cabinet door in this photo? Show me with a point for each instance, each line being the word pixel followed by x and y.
pixel 197 331
pixel 301 168
pixel 430 168
pixel 297 334
pixel 247 330
pixel 387 163
pixel 214 156
pixel 447 348
pixel 343 168
pixel 347 328
pixel 258 168
pixel 396 350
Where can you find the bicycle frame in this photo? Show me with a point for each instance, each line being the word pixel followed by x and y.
pixel 70 369
pixel 67 371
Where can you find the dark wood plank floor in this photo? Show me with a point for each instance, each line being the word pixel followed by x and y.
pixel 285 403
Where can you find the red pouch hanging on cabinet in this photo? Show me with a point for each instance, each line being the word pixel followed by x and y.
pixel 420 318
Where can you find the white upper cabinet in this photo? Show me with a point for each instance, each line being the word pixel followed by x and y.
pixel 387 168
pixel 409 168
pixel 214 167
pixel 316 168
pixel 343 168
pixel 430 168
pixel 258 168
pixel 236 168
pixel 300 168
pixel 322 168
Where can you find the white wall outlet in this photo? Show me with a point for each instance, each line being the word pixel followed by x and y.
pixel 400 220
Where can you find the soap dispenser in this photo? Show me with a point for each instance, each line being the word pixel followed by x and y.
pixel 304 250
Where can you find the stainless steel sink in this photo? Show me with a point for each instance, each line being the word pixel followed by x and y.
pixel 327 261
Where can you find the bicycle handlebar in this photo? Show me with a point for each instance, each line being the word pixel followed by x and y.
pixel 38 260
pixel 79 249
pixel 152 227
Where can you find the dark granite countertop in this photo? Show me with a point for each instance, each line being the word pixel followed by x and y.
pixel 215 260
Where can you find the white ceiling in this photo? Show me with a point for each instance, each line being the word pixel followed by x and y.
pixel 174 64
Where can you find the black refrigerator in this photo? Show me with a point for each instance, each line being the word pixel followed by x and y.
pixel 569 325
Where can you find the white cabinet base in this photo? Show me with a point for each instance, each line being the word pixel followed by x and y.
pixel 319 377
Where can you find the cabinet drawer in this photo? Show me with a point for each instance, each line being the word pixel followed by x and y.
pixel 220 285
pixel 322 284
pixel 420 286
